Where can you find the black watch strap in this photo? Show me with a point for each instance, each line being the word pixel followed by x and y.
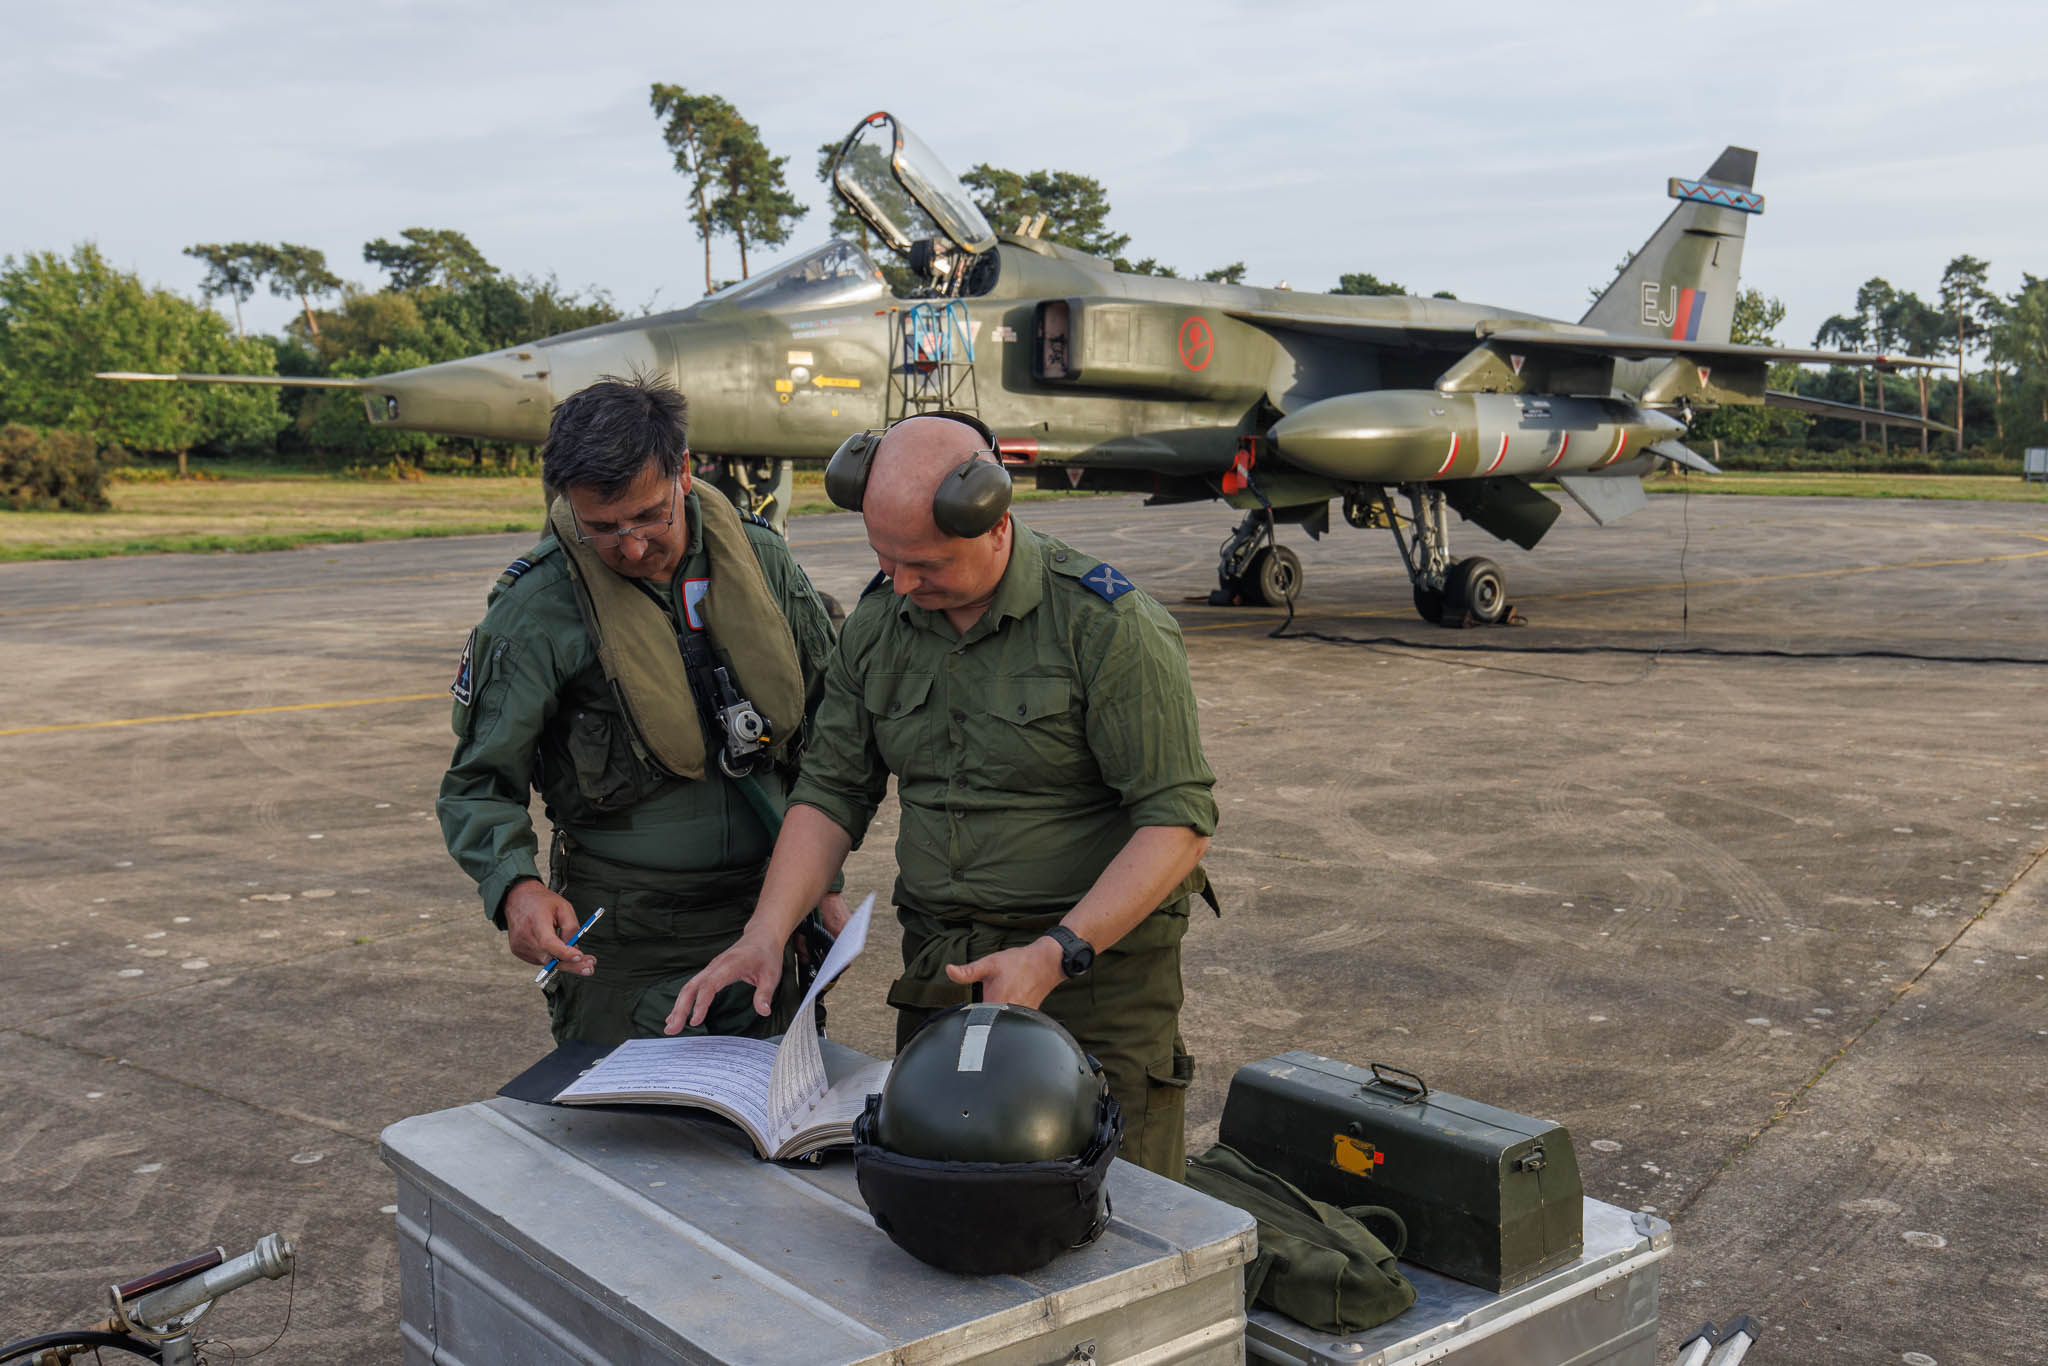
pixel 1077 955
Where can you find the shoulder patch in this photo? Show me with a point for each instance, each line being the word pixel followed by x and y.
pixel 1106 582
pixel 756 518
pixel 465 670
pixel 876 584
pixel 514 571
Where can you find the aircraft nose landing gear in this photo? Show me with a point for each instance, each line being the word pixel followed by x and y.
pixel 1253 569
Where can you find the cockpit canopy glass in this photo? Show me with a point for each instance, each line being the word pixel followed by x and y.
pixel 836 273
pixel 893 180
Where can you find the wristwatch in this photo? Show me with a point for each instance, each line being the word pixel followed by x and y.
pixel 1077 955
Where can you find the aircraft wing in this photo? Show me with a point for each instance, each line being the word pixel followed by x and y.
pixel 1849 412
pixel 1627 347
pixel 1383 330
pixel 1518 332
pixel 275 381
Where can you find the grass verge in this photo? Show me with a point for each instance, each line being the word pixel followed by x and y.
pixel 280 510
pixel 272 512
pixel 1988 488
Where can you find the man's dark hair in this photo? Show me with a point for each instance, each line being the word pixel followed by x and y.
pixel 602 437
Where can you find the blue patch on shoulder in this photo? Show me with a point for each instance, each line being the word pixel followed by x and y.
pixel 1106 582
pixel 518 567
pixel 465 671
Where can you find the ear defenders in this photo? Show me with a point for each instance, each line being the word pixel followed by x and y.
pixel 970 500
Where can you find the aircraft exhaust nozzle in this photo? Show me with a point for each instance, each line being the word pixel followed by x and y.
pixel 1399 436
pixel 504 396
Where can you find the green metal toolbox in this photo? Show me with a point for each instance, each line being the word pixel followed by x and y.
pixel 1490 1197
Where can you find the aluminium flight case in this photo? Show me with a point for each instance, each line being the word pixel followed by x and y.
pixel 1599 1311
pixel 538 1234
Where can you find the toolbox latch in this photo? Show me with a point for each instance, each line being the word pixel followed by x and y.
pixel 1531 1161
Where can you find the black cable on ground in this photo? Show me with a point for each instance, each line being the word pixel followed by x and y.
pixel 80 1338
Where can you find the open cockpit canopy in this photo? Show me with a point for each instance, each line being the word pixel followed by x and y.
pixel 904 192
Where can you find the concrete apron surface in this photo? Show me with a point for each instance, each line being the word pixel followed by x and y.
pixel 1766 932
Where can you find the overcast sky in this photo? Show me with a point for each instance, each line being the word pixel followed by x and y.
pixel 1510 153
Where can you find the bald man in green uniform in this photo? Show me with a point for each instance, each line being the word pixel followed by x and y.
pixel 1037 713
pixel 578 683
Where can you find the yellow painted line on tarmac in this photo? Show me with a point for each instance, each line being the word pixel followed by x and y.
pixel 329 584
pixel 214 715
pixel 1672 587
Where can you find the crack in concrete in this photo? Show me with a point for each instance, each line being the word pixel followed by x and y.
pixel 1784 1107
pixel 297 1117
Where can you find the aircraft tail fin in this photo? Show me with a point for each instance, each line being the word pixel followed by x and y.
pixel 1681 284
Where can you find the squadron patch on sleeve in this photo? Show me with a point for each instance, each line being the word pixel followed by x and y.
pixel 1106 582
pixel 462 687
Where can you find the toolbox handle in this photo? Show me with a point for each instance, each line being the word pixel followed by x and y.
pixel 1390 1077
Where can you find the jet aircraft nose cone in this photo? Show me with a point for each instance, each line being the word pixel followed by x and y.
pixel 503 396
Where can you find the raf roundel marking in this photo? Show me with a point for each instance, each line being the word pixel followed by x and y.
pixel 1197 344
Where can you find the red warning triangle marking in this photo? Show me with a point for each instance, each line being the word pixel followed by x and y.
pixel 1516 361
pixel 1704 372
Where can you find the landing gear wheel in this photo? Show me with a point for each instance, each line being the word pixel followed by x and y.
pixel 1478 588
pixel 1429 605
pixel 1274 576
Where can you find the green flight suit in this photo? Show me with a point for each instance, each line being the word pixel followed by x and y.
pixel 676 864
pixel 1027 752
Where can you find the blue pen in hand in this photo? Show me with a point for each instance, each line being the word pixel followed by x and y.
pixel 541 978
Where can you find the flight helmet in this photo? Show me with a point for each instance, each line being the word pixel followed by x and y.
pixel 987 1149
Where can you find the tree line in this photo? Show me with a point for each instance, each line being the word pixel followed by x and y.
pixel 1992 396
pixel 64 316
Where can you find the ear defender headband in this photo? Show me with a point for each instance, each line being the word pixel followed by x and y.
pixel 970 500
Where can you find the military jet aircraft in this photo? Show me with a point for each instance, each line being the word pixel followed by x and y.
pixel 1279 403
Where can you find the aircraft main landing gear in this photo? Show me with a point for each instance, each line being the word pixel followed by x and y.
pixel 1254 569
pixel 760 487
pixel 1448 592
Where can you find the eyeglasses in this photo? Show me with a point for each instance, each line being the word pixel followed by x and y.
pixel 609 540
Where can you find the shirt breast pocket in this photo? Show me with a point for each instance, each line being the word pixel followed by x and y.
pixel 895 705
pixel 1033 734
pixel 608 774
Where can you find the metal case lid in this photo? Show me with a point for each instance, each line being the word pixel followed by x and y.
pixel 670 1222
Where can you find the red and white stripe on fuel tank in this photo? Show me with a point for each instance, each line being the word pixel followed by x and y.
pixel 1562 446
pixel 1449 456
pixel 1620 445
pixel 1499 455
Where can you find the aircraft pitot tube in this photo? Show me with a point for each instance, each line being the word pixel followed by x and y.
pixel 1398 436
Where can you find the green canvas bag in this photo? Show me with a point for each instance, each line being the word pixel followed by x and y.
pixel 1317 1264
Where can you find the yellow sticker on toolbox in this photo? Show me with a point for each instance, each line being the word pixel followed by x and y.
pixel 1355 1155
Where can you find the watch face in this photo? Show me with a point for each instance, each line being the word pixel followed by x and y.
pixel 1076 956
